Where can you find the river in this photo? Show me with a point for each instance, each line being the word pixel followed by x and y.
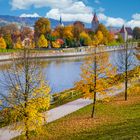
pixel 62 73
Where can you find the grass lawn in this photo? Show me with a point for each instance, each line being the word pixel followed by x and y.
pixel 114 120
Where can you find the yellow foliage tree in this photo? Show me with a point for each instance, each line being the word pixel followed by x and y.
pixel 42 41
pixel 95 74
pixel 86 38
pixel 56 44
pixel 42 26
pixel 68 32
pixel 63 32
pixel 27 95
pixel 2 43
pixel 100 36
pixel 18 44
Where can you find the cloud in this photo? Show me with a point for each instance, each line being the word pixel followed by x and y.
pixel 97 1
pixel 136 17
pixel 25 4
pixel 76 11
pixel 133 23
pixel 70 10
pixel 29 15
pixel 111 21
pixel 101 10
pixel 55 14
pixel 118 22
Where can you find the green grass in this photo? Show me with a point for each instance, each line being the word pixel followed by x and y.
pixel 114 120
pixel 8 50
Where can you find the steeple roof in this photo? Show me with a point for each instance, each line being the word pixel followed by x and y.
pixel 126 29
pixel 123 29
pixel 95 18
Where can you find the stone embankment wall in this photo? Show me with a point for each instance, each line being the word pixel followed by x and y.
pixel 67 52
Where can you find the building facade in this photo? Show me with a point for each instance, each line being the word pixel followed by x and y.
pixel 126 33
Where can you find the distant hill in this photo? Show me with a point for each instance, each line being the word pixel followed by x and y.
pixel 28 21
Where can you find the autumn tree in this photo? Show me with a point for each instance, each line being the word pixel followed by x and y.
pixel 86 39
pixel 26 94
pixel 111 37
pixel 99 36
pixel 26 32
pixel 105 33
pixel 68 32
pixel 9 29
pixel 59 32
pixel 42 26
pixel 2 43
pixel 10 33
pixel 138 52
pixel 136 33
pixel 78 28
pixel 18 44
pixel 42 41
pixel 95 74
pixel 8 40
pixel 124 64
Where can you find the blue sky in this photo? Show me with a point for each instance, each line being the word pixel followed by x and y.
pixel 110 12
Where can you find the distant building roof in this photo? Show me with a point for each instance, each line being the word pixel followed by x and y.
pixel 95 18
pixel 126 29
pixel 123 30
pixel 129 30
pixel 79 23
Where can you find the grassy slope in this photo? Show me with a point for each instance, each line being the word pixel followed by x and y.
pixel 115 120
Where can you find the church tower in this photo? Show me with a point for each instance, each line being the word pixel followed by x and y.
pixel 95 23
pixel 61 22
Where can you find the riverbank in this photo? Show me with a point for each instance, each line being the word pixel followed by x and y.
pixel 63 110
pixel 59 112
pixel 115 119
pixel 65 52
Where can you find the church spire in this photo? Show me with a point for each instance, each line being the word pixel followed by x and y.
pixel 95 22
pixel 95 18
pixel 61 22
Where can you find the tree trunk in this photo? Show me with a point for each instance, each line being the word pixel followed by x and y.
pixel 126 71
pixel 95 79
pixel 26 94
pixel 93 108
pixel 26 132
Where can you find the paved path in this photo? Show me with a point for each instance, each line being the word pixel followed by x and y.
pixel 59 112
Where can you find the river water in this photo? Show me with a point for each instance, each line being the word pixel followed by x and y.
pixel 62 73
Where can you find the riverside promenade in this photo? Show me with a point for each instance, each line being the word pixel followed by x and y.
pixel 54 114
pixel 67 52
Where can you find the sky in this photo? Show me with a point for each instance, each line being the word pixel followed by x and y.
pixel 110 12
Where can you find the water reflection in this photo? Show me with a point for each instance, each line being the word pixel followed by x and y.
pixel 62 73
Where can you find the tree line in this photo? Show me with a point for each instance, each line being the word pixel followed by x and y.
pixel 43 36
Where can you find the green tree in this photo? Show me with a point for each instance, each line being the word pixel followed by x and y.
pixel 136 33
pixel 120 38
pixel 8 40
pixel 42 41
